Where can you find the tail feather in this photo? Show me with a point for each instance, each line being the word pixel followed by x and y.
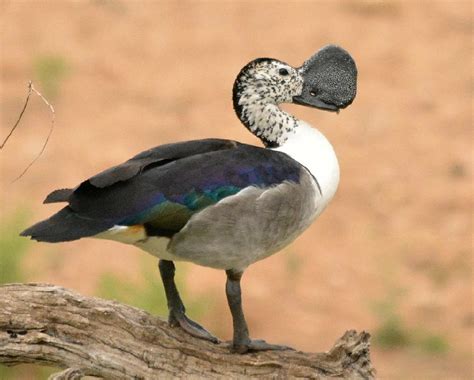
pixel 60 195
pixel 65 225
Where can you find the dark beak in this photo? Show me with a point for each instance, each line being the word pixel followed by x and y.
pixel 330 80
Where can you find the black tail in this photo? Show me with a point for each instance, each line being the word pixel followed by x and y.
pixel 65 225
pixel 60 195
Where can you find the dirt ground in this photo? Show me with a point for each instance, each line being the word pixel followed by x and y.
pixel 392 254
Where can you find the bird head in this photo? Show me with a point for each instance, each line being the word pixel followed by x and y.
pixel 327 80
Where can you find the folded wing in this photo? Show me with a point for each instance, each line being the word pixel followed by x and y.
pixel 162 188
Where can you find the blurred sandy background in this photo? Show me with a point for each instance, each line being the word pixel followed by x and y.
pixel 390 255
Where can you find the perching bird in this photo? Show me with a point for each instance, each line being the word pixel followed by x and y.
pixel 220 203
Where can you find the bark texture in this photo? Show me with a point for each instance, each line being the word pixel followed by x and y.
pixel 50 325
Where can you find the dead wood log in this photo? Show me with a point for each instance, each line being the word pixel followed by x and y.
pixel 53 326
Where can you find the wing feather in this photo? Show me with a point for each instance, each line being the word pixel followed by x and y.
pixel 156 157
pixel 163 187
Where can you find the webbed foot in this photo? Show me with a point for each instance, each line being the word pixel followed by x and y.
pixel 242 343
pixel 177 316
pixel 191 327
pixel 257 345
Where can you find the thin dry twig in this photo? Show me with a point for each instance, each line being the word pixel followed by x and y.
pixel 31 89
pixel 30 85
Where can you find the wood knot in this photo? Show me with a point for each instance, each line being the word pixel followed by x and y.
pixel 15 332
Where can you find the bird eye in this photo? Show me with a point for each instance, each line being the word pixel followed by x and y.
pixel 283 72
pixel 312 93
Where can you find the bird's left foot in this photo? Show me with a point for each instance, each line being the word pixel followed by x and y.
pixel 191 327
pixel 257 345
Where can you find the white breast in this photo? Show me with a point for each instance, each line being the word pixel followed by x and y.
pixel 312 149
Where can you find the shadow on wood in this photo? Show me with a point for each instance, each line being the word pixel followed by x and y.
pixel 53 326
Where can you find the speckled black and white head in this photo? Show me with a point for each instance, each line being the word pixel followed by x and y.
pixel 260 86
pixel 326 81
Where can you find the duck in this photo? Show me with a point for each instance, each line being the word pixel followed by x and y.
pixel 221 203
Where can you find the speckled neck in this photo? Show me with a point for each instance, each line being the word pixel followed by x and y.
pixel 256 96
pixel 266 121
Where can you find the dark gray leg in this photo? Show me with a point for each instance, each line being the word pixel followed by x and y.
pixel 177 316
pixel 242 343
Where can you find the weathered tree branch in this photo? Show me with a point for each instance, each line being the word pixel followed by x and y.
pixel 49 325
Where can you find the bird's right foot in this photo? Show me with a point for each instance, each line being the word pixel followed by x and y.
pixel 256 345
